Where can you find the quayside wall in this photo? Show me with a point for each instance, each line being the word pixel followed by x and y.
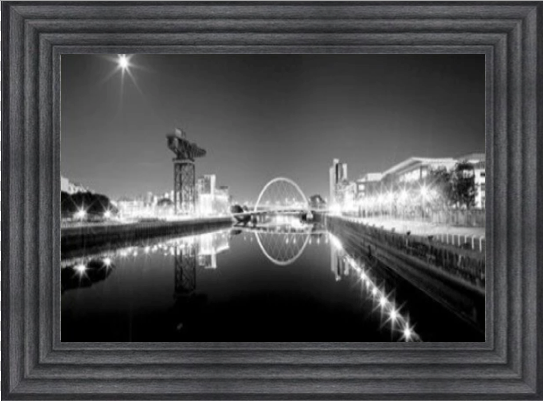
pixel 452 276
pixel 85 238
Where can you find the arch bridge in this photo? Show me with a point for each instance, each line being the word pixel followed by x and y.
pixel 280 196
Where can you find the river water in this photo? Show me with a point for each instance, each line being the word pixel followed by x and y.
pixel 280 283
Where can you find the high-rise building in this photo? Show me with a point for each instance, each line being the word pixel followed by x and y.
pixel 205 190
pixel 212 199
pixel 221 200
pixel 338 174
pixel 205 185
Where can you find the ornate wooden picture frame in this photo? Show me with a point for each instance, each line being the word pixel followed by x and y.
pixel 37 365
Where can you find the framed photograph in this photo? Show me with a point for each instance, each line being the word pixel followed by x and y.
pixel 271 200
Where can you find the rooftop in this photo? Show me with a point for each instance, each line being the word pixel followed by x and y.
pixel 413 161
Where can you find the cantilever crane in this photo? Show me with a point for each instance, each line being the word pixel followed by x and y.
pixel 184 178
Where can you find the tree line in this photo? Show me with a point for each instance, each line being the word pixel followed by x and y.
pixel 93 204
pixel 455 188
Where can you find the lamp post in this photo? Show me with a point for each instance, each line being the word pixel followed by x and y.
pixel 423 195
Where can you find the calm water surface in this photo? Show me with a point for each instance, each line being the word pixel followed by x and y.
pixel 244 285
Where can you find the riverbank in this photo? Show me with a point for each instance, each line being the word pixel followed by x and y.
pixel 94 236
pixel 453 276
pixel 418 227
pixel 466 237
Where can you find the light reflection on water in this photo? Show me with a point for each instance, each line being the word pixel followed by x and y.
pixel 275 283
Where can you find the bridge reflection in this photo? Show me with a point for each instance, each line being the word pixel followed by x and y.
pixel 282 244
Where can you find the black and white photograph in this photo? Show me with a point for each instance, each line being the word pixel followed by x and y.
pixel 272 197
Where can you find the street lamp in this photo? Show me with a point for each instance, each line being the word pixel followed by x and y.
pixel 402 200
pixel 390 200
pixel 424 192
pixel 423 196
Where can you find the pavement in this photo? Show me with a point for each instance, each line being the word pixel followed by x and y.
pixel 419 227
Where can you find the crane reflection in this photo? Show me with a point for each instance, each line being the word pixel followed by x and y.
pixel 282 245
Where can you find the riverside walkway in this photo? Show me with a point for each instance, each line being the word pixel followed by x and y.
pixel 454 235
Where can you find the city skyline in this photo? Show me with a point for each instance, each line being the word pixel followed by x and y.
pixel 262 116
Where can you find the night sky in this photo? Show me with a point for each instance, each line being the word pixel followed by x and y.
pixel 263 116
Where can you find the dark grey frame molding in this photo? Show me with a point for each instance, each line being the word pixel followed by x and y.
pixel 36 365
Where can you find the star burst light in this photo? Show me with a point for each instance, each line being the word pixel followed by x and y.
pixel 124 61
pixel 125 65
pixel 407 332
pixel 389 310
pixel 81 270
pixel 81 214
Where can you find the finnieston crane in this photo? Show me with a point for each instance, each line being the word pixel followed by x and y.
pixel 184 177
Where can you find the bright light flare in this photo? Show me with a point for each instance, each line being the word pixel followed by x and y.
pixel 335 209
pixel 424 192
pixel 389 197
pixel 336 242
pixel 123 61
pixel 107 214
pixel 107 262
pixel 407 333
pixel 81 214
pixel 80 269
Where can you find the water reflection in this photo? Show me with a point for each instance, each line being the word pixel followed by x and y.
pixel 85 272
pixel 383 300
pixel 192 256
pixel 283 243
pixel 193 251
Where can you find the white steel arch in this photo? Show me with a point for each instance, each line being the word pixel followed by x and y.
pixel 276 260
pixel 278 179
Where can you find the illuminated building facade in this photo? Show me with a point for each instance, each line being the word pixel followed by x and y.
pixel 221 202
pixel 338 174
pixel 205 190
pixel 414 170
pixel 397 189
pixel 210 245
pixel 346 195
pixel 72 188
pixel 211 200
